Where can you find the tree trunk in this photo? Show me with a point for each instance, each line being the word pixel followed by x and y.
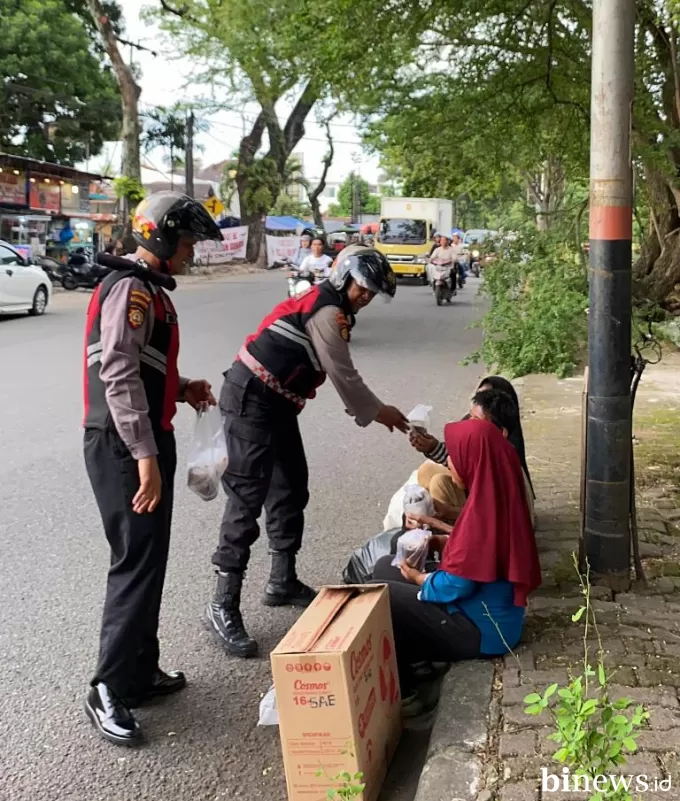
pixel 129 90
pixel 657 271
pixel 281 144
pixel 129 97
pixel 319 189
pixel 546 192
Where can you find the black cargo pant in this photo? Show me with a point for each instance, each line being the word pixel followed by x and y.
pixel 128 650
pixel 423 631
pixel 267 467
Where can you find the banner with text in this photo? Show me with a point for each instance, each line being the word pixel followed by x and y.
pixel 233 246
pixel 281 247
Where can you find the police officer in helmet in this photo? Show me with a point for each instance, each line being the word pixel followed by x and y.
pixel 278 369
pixel 132 385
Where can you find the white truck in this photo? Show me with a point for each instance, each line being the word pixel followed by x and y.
pixel 406 228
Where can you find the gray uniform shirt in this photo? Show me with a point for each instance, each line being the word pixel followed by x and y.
pixel 327 330
pixel 126 322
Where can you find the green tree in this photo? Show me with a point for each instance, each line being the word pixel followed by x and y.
pixel 58 99
pixel 276 53
pixel 165 128
pixel 107 20
pixel 293 179
pixel 502 91
pixel 354 196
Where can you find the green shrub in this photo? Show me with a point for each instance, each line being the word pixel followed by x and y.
pixel 537 321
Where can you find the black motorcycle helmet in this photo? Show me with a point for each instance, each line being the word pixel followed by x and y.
pixel 368 267
pixel 162 218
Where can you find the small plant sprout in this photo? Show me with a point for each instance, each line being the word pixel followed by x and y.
pixel 593 733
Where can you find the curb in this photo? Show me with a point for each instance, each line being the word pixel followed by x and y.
pixel 453 769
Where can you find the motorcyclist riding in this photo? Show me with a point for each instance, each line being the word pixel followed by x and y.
pixel 459 258
pixel 443 255
pixel 303 251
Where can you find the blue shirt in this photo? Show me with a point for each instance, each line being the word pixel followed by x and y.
pixel 483 604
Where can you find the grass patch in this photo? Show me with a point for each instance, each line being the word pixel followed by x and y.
pixel 657 454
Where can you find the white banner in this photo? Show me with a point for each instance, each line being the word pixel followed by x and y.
pixel 281 247
pixel 233 246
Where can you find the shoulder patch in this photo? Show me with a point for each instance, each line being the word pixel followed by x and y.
pixel 138 306
pixel 343 325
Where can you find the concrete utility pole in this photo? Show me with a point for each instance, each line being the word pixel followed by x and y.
pixel 189 156
pixel 609 423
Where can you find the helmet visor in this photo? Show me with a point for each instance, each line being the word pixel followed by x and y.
pixel 367 283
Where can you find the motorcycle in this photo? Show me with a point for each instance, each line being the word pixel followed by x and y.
pixel 442 279
pixel 460 274
pixel 53 269
pixel 475 265
pixel 82 274
pixel 300 282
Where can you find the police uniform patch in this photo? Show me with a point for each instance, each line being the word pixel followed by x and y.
pixel 343 325
pixel 136 317
pixel 138 306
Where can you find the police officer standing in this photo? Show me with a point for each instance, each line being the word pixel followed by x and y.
pixel 277 370
pixel 132 385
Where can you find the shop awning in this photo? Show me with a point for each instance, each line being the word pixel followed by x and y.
pixel 284 223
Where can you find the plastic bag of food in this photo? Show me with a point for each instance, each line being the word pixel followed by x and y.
pixel 362 563
pixel 419 418
pixel 207 454
pixel 395 509
pixel 418 501
pixel 269 714
pixel 413 549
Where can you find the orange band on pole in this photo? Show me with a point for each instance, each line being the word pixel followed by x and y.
pixel 610 223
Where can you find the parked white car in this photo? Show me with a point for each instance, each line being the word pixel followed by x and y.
pixel 23 286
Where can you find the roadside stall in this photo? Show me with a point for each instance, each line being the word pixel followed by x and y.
pixel 283 238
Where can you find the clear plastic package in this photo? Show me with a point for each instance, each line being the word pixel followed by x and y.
pixel 413 549
pixel 207 454
pixel 419 418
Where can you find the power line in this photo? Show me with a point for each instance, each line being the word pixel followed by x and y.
pixel 305 138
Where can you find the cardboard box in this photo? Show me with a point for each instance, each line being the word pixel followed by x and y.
pixel 337 692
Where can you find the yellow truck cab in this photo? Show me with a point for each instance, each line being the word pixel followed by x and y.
pixel 405 232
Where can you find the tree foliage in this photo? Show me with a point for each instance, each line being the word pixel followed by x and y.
pixel 278 53
pixel 58 98
pixel 537 318
pixel 498 102
pixel 354 195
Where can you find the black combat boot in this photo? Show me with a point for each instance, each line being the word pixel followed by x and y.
pixel 223 614
pixel 284 588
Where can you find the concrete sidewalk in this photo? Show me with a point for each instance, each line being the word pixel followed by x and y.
pixel 483 744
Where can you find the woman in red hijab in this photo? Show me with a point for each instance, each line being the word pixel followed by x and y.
pixel 473 604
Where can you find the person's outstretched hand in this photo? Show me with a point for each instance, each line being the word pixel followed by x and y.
pixel 391 417
pixel 423 443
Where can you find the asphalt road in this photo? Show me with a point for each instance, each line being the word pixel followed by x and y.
pixel 204 744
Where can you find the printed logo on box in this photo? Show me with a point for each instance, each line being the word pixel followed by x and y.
pixel 389 686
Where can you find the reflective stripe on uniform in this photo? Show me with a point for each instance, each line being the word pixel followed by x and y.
pixel 285 329
pixel 261 372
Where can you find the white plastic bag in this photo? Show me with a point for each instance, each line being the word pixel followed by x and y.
pixel 419 418
pixel 395 510
pixel 207 454
pixel 413 548
pixel 418 501
pixel 269 714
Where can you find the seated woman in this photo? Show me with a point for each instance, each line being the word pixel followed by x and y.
pixel 473 604
pixel 495 403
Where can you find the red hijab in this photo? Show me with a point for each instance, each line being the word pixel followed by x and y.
pixel 493 537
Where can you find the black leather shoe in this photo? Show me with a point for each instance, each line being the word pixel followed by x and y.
pixel 223 617
pixel 110 717
pixel 284 588
pixel 162 684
